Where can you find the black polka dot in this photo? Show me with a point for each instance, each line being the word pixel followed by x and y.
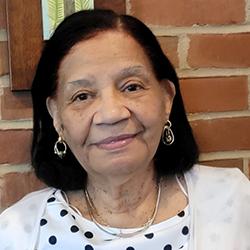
pixel 181 214
pixel 43 222
pixel 63 212
pixel 185 230
pixel 73 216
pixel 51 199
pixel 74 229
pixel 52 240
pixel 88 247
pixel 89 235
pixel 149 236
pixel 130 248
pixel 168 247
pixel 181 247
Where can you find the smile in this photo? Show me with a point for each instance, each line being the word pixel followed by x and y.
pixel 116 142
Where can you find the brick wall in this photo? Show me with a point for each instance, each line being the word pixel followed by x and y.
pixel 209 44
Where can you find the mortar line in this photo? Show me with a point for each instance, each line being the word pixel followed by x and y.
pixel 245 167
pixel 16 124
pixel 3 35
pixel 5 81
pixel 128 7
pixel 15 168
pixel 222 155
pixel 218 115
pixel 195 29
pixel 212 72
pixel 182 51
pixel 247 11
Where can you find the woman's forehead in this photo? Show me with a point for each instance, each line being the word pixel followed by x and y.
pixel 106 49
pixel 113 41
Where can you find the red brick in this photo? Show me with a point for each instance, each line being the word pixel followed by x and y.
pixel 186 13
pixel 215 94
pixel 227 163
pixel 16 185
pixel 170 45
pixel 4 64
pixel 15 146
pixel 16 105
pixel 228 134
pixel 118 6
pixel 2 14
pixel 223 51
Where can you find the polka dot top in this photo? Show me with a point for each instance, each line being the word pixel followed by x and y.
pixel 62 227
pixel 216 218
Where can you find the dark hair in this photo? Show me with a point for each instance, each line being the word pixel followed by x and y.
pixel 67 173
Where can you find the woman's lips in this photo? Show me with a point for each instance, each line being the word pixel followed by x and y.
pixel 115 142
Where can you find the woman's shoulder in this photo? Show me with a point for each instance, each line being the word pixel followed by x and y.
pixel 29 201
pixel 22 218
pixel 218 180
pixel 220 200
pixel 217 173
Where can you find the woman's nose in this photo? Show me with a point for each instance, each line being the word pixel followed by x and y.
pixel 111 109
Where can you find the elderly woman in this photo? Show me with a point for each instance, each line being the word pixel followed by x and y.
pixel 113 144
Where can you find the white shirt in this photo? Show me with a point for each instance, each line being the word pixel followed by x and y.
pixel 61 227
pixel 219 212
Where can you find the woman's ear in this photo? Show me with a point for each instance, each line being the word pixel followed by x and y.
pixel 52 108
pixel 169 89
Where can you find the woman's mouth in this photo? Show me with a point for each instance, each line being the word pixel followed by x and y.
pixel 115 142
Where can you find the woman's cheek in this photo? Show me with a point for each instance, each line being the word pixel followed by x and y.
pixel 73 128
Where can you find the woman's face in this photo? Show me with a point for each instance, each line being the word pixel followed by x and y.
pixel 109 107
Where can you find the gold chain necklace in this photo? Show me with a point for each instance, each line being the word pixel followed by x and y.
pixel 91 208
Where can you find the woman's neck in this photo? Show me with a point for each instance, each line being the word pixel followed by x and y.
pixel 118 199
pixel 131 203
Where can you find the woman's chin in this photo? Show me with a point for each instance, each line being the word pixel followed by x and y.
pixel 118 166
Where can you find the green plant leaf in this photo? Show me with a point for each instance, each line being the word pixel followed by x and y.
pixel 83 4
pixel 55 12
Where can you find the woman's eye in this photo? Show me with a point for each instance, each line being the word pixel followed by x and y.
pixel 81 97
pixel 133 87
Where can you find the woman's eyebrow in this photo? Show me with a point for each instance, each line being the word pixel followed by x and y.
pixel 80 82
pixel 137 70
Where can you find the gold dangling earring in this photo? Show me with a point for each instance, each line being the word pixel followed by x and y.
pixel 167 134
pixel 60 147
